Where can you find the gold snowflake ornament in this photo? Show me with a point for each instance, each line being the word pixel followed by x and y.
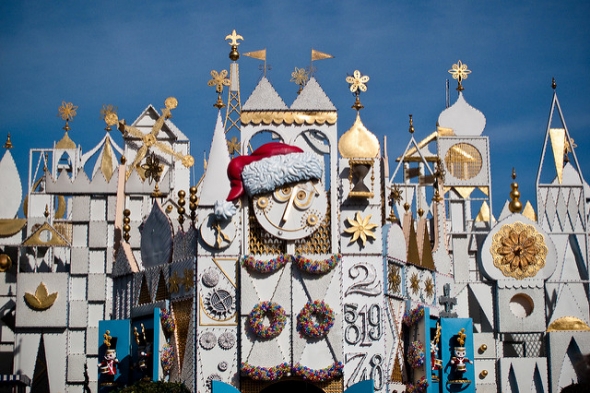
pixel 519 251
pixel 218 79
pixel 357 82
pixel 67 111
pixel 299 76
pixel 360 228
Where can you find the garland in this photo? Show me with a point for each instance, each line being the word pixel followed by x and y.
pixel 272 265
pixel 420 386
pixel 414 316
pixel 321 375
pixel 167 321
pixel 277 317
pixel 415 356
pixel 319 266
pixel 258 373
pixel 306 324
pixel 167 358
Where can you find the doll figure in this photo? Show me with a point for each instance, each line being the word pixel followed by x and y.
pixel 459 360
pixel 436 364
pixel 109 365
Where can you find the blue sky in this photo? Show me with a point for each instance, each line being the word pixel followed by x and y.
pixel 133 53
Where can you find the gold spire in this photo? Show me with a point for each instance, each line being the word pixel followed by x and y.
pixel 515 205
pixel 8 143
pixel 459 71
pixel 411 128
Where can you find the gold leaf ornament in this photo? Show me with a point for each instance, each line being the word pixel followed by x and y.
pixel 41 300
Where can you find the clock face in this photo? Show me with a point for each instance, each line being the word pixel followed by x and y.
pixel 463 161
pixel 292 211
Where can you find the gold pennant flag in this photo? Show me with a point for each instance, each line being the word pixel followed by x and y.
pixel 317 55
pixel 258 54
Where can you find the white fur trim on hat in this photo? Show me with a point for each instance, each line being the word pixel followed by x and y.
pixel 270 173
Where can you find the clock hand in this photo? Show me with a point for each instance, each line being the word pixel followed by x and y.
pixel 289 205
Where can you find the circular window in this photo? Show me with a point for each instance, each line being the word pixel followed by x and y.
pixel 463 161
pixel 521 305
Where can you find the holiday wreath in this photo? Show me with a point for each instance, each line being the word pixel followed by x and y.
pixel 324 315
pixel 274 312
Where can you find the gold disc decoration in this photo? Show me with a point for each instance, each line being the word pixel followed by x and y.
pixel 519 251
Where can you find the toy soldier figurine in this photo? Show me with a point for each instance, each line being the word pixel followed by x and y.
pixel 109 365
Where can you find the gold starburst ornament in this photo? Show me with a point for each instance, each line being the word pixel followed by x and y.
pixel 360 228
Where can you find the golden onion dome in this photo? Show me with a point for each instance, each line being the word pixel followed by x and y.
pixel 358 142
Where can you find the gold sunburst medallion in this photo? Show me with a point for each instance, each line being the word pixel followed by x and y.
pixel 519 251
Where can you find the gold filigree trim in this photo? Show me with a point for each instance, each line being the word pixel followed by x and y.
pixel 41 300
pixel 256 118
pixel 519 251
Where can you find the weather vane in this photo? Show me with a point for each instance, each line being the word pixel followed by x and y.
pixel 67 111
pixel 219 79
pixel 459 71
pixel 149 140
pixel 358 84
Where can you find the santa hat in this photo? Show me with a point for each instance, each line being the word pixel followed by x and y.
pixel 269 167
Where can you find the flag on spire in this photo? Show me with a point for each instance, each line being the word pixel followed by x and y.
pixel 317 55
pixel 258 54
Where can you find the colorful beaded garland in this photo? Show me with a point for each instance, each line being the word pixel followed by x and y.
pixel 272 265
pixel 276 314
pixel 167 358
pixel 324 314
pixel 258 373
pixel 317 267
pixel 415 356
pixel 167 321
pixel 413 316
pixel 324 374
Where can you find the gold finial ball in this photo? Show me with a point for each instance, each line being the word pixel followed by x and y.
pixel 181 194
pixel 420 212
pixel 193 190
pixel 553 84
pixel 234 55
pixel 126 212
pixel 5 262
pixel 171 103
pixel 123 160
pixel 407 206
